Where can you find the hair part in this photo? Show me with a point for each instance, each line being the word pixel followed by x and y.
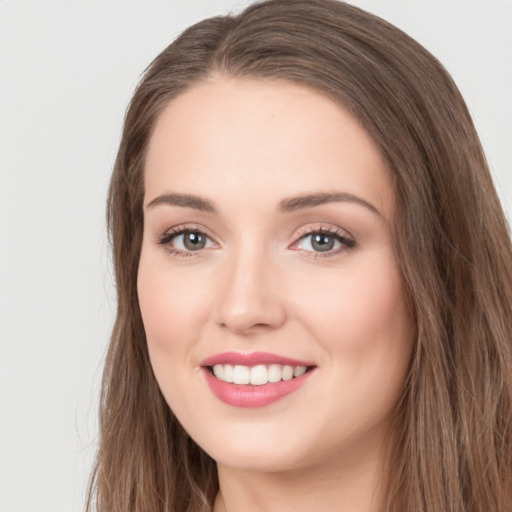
pixel 452 440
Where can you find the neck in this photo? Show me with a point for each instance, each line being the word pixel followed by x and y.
pixel 344 486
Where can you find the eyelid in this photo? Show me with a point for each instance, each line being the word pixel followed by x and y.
pixel 347 241
pixel 169 234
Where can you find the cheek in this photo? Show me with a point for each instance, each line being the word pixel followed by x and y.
pixel 173 314
pixel 363 300
pixel 360 318
pixel 173 308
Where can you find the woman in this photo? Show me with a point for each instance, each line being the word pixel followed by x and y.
pixel 314 278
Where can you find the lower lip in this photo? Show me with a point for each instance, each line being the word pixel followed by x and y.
pixel 245 395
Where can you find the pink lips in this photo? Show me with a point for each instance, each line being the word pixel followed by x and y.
pixel 241 395
pixel 252 359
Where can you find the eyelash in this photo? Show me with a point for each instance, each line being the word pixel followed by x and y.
pixel 346 242
pixel 167 237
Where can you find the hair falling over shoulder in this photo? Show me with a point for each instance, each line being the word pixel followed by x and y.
pixel 452 445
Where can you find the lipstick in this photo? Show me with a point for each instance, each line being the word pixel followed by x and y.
pixel 254 379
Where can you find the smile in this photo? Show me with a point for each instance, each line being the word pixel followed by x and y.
pixel 257 375
pixel 254 380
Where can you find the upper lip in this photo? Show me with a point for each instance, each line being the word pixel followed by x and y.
pixel 252 359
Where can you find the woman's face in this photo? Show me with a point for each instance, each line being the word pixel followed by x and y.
pixel 267 253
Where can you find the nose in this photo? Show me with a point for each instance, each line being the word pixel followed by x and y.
pixel 251 295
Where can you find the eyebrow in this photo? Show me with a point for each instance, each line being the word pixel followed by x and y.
pixel 185 200
pixel 285 206
pixel 310 200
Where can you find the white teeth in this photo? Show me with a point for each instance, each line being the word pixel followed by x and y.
pixel 299 370
pixel 257 375
pixel 228 373
pixel 218 371
pixel 287 372
pixel 274 372
pixel 241 374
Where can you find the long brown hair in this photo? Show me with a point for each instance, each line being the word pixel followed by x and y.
pixel 452 443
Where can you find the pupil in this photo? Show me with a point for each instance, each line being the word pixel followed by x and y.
pixel 194 241
pixel 322 242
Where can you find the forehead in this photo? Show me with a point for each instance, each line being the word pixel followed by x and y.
pixel 239 137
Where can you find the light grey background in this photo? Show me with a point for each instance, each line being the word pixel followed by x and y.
pixel 67 69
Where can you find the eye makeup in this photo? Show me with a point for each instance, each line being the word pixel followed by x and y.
pixel 323 241
pixel 185 240
pixel 314 241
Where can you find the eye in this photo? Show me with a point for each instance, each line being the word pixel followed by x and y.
pixel 190 241
pixel 319 242
pixel 183 241
pixel 328 241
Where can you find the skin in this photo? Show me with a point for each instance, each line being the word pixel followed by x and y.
pixel 260 285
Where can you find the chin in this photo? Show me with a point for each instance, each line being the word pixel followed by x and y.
pixel 259 459
pixel 261 447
